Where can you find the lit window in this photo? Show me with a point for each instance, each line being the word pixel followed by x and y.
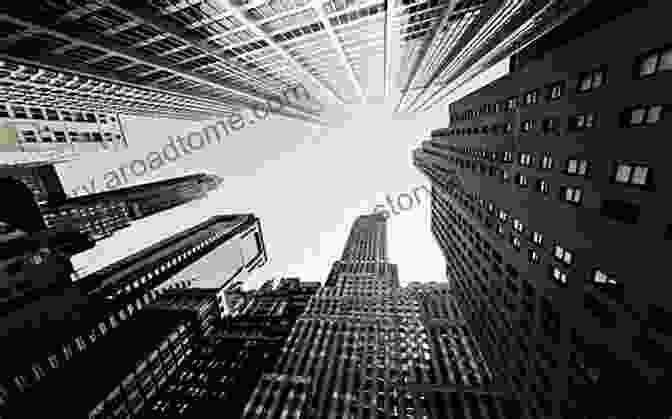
pixel 521 180
pixel 537 238
pixel 534 256
pixel 632 174
pixel 508 156
pixel 656 61
pixel 592 80
pixel 563 255
pixel 556 90
pixel 559 276
pixel 546 162
pixel 643 115
pixel 577 167
pixel 583 121
pixel 518 226
pixel 573 195
pixel 503 215
pixel 515 241
pixel 600 277
pixel 525 159
pixel 542 186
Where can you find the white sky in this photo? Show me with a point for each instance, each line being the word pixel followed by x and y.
pixel 306 184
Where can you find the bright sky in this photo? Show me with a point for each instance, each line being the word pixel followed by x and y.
pixel 307 184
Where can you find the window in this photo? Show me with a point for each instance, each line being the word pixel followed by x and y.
pixel 632 174
pixel 577 167
pixel 506 176
pixel 559 276
pixel 563 255
pixel 642 115
pixel 500 229
pixel 571 194
pixel 515 242
pixel 592 80
pixel 542 186
pixel 503 215
pixel 550 126
pixel 532 97
pixel 518 226
pixel 534 256
pixel 537 238
pixel 556 90
pixel 525 159
pixel 654 61
pixel 599 277
pixel 511 103
pixel 583 121
pixel 521 180
pixel 546 162
pixel 528 125
pixel 618 210
pixel 507 157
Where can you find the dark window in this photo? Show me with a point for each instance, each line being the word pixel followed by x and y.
pixel 551 126
pixel 618 210
pixel 600 310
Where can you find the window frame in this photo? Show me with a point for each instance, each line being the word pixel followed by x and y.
pixel 562 84
pixel 591 74
pixel 563 194
pixel 626 115
pixel 649 185
pixel 641 58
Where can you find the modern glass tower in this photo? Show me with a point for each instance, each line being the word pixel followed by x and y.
pixel 550 216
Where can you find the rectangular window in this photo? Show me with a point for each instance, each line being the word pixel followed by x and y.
pixel 591 80
pixel 528 125
pixel 583 121
pixel 534 256
pixel 542 186
pixel 511 103
pixel 537 238
pixel 559 276
pixel 640 116
pixel 550 126
pixel 632 174
pixel 577 167
pixel 556 90
pixel 618 210
pixel 521 180
pixel 507 157
pixel 571 194
pixel 518 226
pixel 563 255
pixel 653 62
pixel 515 242
pixel 546 162
pixel 532 97
pixel 599 277
pixel 525 159
pixel 503 215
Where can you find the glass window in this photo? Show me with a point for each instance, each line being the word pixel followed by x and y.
pixel 653 115
pixel 665 60
pixel 648 65
pixel 637 116
pixel 639 175
pixel 623 173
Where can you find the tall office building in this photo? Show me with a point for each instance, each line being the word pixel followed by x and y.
pixel 31 134
pixel 365 347
pixel 536 185
pixel 101 214
pixel 224 368
pixel 148 58
pixel 471 36
pixel 54 345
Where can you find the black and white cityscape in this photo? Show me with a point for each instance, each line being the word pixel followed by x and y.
pixel 201 217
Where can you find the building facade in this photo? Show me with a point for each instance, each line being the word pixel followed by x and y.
pixel 101 214
pixel 85 314
pixel 536 182
pixel 472 36
pixel 367 348
pixel 224 369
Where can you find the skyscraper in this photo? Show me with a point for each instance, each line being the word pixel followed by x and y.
pixel 469 37
pixel 536 184
pixel 54 344
pixel 365 347
pixel 224 368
